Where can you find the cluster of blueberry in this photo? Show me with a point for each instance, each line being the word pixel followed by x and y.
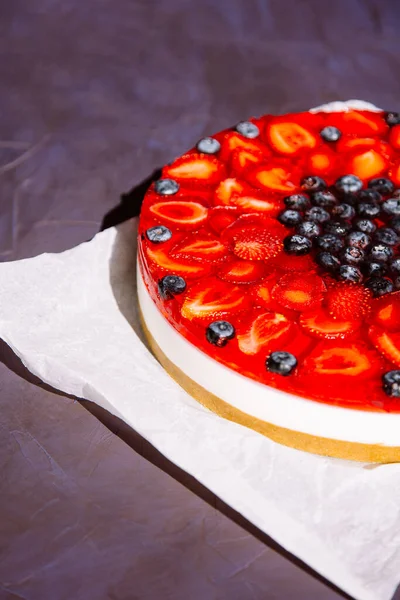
pixel 355 231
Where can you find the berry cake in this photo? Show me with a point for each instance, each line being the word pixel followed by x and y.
pixel 269 277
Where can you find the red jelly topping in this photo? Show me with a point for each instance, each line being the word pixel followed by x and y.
pixel 287 230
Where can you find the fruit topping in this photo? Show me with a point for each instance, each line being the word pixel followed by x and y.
pixel 158 234
pixel 297 202
pixel 297 244
pixel 312 183
pixel 352 255
pixel 391 383
pixel 219 333
pixel 386 312
pixel 160 258
pixel 256 243
pixel 299 291
pixel 281 363
pixel 205 169
pixel 386 342
pixel 380 252
pixel 309 229
pixel 362 123
pixel 242 159
pixel 213 299
pixel 358 239
pixel 368 164
pixel 272 178
pixel 392 118
pixel 382 186
pixel 348 359
pixel 348 301
pixel 242 271
pixel 328 262
pixel 350 273
pixel 247 129
pixel 185 214
pixel 348 184
pixel 266 329
pixel 319 323
pixel 379 286
pixel 330 133
pixel 171 286
pixel 364 225
pixel 290 217
pixel 200 248
pixel 391 207
pixel 317 214
pixel 166 187
pixel 208 145
pixel 325 199
pixel 221 217
pixel 288 137
pixel 233 192
pixel 289 262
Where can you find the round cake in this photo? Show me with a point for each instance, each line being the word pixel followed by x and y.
pixel 269 277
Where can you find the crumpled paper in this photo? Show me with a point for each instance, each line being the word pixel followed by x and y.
pixel 72 319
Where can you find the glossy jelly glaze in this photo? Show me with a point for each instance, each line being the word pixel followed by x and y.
pixel 238 231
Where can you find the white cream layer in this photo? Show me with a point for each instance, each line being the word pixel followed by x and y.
pixel 261 401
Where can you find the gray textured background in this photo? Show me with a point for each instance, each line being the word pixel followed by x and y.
pixel 95 94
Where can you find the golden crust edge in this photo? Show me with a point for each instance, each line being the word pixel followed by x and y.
pixel 354 451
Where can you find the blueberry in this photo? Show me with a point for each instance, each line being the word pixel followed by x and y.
pixel 159 234
pixel 394 267
pixel 358 239
pixel 312 183
pixel 290 217
pixel 208 145
pixel 350 273
pixel 328 262
pixel 170 286
pixel 382 185
pixel 219 333
pixel 380 252
pixel 365 225
pixel 247 129
pixel 396 194
pixel 166 187
pixel 379 286
pixel 370 196
pixel 368 210
pixel 330 133
pixel 387 236
pixel 352 255
pixel 392 207
pixel 297 201
pixel 395 224
pixel 325 199
pixel 317 214
pixel 391 383
pixel 281 363
pixel 372 268
pixel 339 228
pixel 297 244
pixel 348 184
pixel 392 118
pixel 329 242
pixel 309 229
pixel 343 211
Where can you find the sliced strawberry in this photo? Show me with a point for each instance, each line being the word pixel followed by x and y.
pixel 319 323
pixel 201 247
pixel 242 159
pixel 348 143
pixel 233 192
pixel 162 260
pixel 220 217
pixel 184 214
pixel 242 271
pixel 267 329
pixel 321 162
pixel 299 292
pixel 234 141
pixel 213 299
pixel 367 164
pixel 394 137
pixel 348 301
pixel 289 262
pixel 262 293
pixel 387 343
pixel 288 137
pixel 273 178
pixel 195 167
pixel 346 359
pixel 386 311
pixel 256 243
pixel 394 173
pixel 299 342
pixel 260 220
pixel 359 122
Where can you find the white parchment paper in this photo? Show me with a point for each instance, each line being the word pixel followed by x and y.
pixel 72 319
